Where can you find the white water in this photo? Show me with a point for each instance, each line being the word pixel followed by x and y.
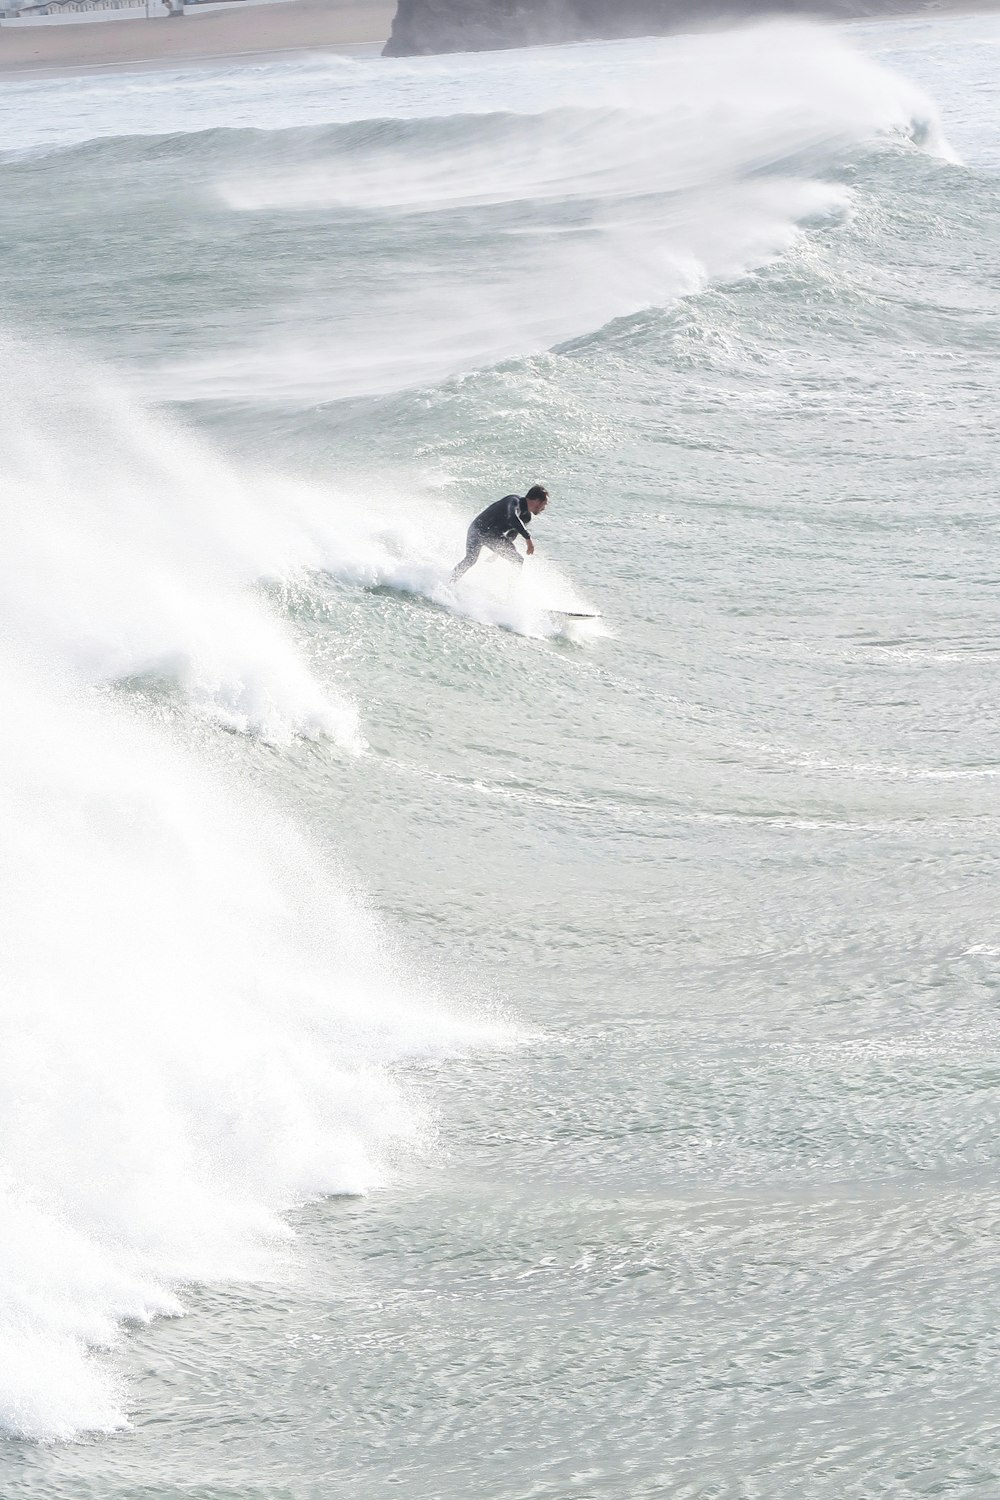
pixel 197 1016
pixel 131 550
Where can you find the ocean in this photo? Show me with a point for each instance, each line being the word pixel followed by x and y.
pixel 449 1048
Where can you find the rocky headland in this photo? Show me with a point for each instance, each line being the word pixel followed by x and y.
pixel 424 26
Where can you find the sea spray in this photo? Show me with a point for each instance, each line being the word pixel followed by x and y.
pixel 693 161
pixel 198 1022
pixel 132 549
pixel 200 1019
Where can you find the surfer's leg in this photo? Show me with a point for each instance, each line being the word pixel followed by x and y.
pixel 504 547
pixel 473 547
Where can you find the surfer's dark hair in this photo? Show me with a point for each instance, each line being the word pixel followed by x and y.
pixel 537 492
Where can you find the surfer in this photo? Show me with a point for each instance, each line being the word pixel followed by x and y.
pixel 498 525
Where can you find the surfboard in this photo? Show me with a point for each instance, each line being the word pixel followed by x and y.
pixel 575 614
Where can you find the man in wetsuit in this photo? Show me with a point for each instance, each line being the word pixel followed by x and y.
pixel 499 524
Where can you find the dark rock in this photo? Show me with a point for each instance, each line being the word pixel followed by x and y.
pixel 423 26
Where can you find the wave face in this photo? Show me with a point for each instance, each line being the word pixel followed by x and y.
pixel 272 335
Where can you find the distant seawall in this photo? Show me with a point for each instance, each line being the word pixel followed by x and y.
pixel 423 26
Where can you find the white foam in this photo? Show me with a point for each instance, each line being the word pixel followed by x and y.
pixel 131 548
pixel 198 1021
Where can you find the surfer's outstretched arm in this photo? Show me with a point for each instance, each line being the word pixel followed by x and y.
pixel 514 522
pixel 536 500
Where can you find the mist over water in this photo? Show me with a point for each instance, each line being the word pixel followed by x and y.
pixel 447 1043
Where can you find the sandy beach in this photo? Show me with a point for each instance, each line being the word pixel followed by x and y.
pixel 244 30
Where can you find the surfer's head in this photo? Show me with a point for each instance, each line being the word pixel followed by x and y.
pixel 537 498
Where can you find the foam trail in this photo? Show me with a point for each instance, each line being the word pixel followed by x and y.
pixel 197 1023
pixel 410 545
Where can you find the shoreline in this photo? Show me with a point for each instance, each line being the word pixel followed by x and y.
pixel 286 28
pixel 272 31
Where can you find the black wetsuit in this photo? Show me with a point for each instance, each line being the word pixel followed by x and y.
pixel 496 528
